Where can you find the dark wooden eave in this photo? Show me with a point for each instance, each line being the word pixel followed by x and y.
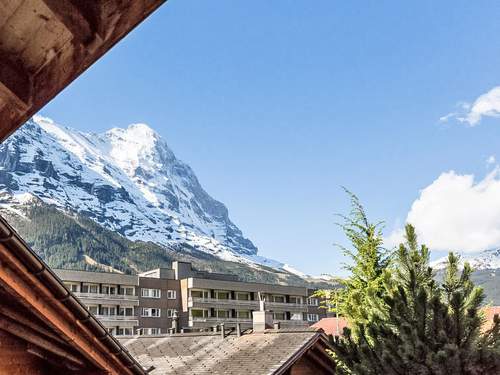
pixel 46 44
pixel 36 308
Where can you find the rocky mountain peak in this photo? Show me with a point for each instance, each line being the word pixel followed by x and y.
pixel 127 180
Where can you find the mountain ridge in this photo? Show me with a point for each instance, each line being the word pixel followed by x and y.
pixel 127 180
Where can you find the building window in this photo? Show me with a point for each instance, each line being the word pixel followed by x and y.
pixel 222 314
pixel 279 299
pixel 243 296
pixel 93 309
pixel 199 313
pixel 296 299
pixel 108 310
pixel 151 312
pixel 200 294
pixel 73 287
pixel 150 293
pixel 312 301
pixel 126 311
pixel 312 317
pixel 279 316
pixel 149 331
pixel 127 291
pixel 155 331
pixel 243 314
pixel 296 316
pixel 90 288
pixel 109 289
pixel 124 331
pixel 170 313
pixel 220 294
pixel 171 294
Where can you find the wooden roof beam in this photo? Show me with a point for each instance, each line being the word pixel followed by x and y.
pixel 15 83
pixel 34 338
pixel 78 16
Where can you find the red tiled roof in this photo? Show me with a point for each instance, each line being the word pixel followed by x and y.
pixel 489 313
pixel 332 326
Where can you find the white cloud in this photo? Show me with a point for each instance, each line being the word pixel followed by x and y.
pixel 486 105
pixel 457 213
pixel 491 160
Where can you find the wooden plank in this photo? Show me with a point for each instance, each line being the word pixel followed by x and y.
pixel 29 291
pixel 113 19
pixel 21 319
pixel 75 16
pixel 34 338
pixel 16 83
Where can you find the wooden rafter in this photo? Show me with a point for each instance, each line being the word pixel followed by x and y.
pixel 79 17
pixel 50 43
pixel 15 83
pixel 28 291
pixel 31 336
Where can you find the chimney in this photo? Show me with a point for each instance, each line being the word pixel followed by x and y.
pixel 276 325
pixel 175 322
pixel 238 329
pixel 262 319
pixel 222 331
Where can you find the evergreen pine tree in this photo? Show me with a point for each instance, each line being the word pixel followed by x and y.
pixel 427 328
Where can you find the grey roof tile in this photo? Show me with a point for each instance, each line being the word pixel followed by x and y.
pixel 249 354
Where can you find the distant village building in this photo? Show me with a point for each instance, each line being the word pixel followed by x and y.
pixel 146 304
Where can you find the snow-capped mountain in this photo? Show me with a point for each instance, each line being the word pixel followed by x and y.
pixel 127 180
pixel 485 260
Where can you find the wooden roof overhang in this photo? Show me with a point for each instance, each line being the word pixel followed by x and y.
pixel 37 308
pixel 316 349
pixel 46 44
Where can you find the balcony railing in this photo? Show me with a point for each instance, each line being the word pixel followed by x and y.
pixel 241 303
pixel 282 305
pixel 229 302
pixel 291 322
pixel 219 320
pixel 120 318
pixel 122 297
pixel 294 322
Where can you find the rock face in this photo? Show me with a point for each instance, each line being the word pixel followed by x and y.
pixel 127 180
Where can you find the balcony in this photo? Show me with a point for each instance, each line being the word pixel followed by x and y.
pixel 127 319
pixel 251 305
pixel 223 302
pixel 293 322
pixel 99 298
pixel 214 320
pixel 286 306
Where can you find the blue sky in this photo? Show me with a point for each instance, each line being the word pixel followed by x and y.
pixel 276 104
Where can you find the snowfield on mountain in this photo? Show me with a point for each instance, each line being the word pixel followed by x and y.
pixel 126 180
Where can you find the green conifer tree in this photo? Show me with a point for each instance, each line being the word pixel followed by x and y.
pixel 416 326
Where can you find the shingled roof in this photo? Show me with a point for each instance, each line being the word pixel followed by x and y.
pixel 269 352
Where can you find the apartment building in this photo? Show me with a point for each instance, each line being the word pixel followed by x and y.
pixel 180 297
pixel 111 297
pixel 208 302
pixel 159 301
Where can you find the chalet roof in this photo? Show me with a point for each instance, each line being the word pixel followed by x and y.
pixel 36 307
pixel 269 352
pixel 46 44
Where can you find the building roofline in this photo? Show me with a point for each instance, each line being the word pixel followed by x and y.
pixel 248 282
pixel 37 267
pixel 318 336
